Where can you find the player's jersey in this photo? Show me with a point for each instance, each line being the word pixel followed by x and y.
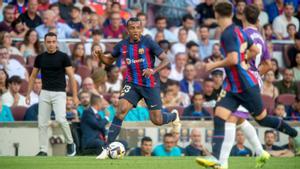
pixel 138 56
pixel 260 43
pixel 238 79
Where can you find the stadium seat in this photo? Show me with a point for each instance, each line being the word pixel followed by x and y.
pixel 24 87
pixel 269 103
pixel 83 71
pixel 18 58
pixel 18 112
pixel 286 99
pixel 178 108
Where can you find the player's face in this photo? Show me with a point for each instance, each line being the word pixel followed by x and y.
pixel 134 30
pixel 147 147
pixel 51 43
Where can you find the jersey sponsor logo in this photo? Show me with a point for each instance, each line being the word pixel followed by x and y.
pixel 130 61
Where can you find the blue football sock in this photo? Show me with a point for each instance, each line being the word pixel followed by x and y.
pixel 218 137
pixel 168 117
pixel 114 130
pixel 278 124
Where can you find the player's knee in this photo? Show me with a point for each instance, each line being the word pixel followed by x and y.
pixel 157 120
pixel 261 115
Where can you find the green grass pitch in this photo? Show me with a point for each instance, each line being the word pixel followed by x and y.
pixel 81 162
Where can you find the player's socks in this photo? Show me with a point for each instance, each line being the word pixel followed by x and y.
pixel 229 137
pixel 168 117
pixel 278 124
pixel 114 129
pixel 251 136
pixel 218 137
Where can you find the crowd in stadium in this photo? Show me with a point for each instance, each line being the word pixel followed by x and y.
pixel 189 37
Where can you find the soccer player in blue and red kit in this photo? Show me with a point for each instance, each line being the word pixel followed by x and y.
pixel 142 81
pixel 241 88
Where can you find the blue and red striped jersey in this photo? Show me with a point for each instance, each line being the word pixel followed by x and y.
pixel 238 79
pixel 138 56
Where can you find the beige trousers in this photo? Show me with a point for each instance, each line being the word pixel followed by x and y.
pixel 56 101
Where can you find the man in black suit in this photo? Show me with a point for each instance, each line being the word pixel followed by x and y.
pixel 93 126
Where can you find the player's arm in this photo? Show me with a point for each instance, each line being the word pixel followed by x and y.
pixel 70 73
pixel 264 67
pixel 164 62
pixel 252 52
pixel 230 60
pixel 32 78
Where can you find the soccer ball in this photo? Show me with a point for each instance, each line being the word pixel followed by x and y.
pixel 116 150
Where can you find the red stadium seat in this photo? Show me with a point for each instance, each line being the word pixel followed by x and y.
pixel 269 103
pixel 286 99
pixel 178 108
pixel 18 112
pixel 24 87
pixel 83 71
pixel 18 58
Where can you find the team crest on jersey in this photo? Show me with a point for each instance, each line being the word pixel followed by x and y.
pixel 243 47
pixel 128 61
pixel 141 51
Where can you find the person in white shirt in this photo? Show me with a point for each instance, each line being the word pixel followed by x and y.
pixel 12 97
pixel 280 22
pixel 96 36
pixel 114 79
pixel 263 16
pixel 205 44
pixel 37 87
pixel 178 67
pixel 143 18
pixel 161 26
pixel 188 23
pixel 180 46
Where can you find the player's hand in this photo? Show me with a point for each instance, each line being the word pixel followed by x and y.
pixel 27 99
pixel 148 72
pixel 208 67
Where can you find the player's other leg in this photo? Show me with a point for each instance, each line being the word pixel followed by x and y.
pixel 157 116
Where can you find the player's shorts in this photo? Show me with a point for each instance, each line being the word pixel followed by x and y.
pixel 250 99
pixel 134 93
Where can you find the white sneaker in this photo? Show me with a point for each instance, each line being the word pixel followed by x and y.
pixel 176 123
pixel 103 155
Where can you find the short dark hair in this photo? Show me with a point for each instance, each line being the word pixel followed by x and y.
pixel 269 131
pixel 95 99
pixel 203 26
pixel 116 3
pixel 164 42
pixel 50 34
pixel 134 19
pixel 97 32
pixel 8 7
pixel 69 94
pixel 16 22
pixel 86 9
pixel 208 80
pixel 146 139
pixel 187 17
pixel 251 13
pixel 190 44
pixel 267 25
pixel 158 18
pixel 53 5
pixel 240 1
pixel 168 135
pixel 75 8
pixel 291 24
pixel 172 83
pixel 196 94
pixel 224 8
pixel 14 79
pixel 141 14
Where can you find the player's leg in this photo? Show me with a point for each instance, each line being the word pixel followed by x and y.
pixel 43 121
pixel 59 107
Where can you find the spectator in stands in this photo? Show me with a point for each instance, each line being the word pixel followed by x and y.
pixel 114 79
pixel 6 41
pixel 274 150
pixel 180 45
pixel 49 22
pixel 71 111
pixel 208 91
pixel 188 85
pixel 163 78
pixel 93 63
pixel 13 97
pixel 240 149
pixel 65 8
pixel 19 28
pixel 188 23
pixel 291 30
pixel 2 5
pixel 280 22
pixel 196 148
pixel 82 3
pixel 3 79
pixel 292 52
pixel 5 113
pixel 145 149
pixel 31 17
pixel 78 54
pixel 280 112
pixel 166 46
pixel 217 76
pixel 237 18
pixel 96 36
pixel 99 77
pixel 89 86
pixel 274 9
pixel 43 5
pixel 269 89
pixel 168 147
pixel 263 16
pixel 206 14
pixel 161 26
pixel 176 135
pixel 55 8
pixel 31 45
pixel 296 69
pixel 205 45
pixel 19 7
pixel 178 67
pixel 12 66
pixel 192 50
pixel 93 126
pixel 294 112
pixel 36 90
pixel 159 36
pixel 114 7
pixel 75 19
pixel 84 98
pixel 8 13
pixel 287 84
pixel 115 29
pixel 195 111
pixel 143 18
pixel 174 97
pixel 216 54
pixel 269 34
pixel 275 68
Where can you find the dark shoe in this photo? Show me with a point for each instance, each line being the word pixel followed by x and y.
pixel 71 149
pixel 41 153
